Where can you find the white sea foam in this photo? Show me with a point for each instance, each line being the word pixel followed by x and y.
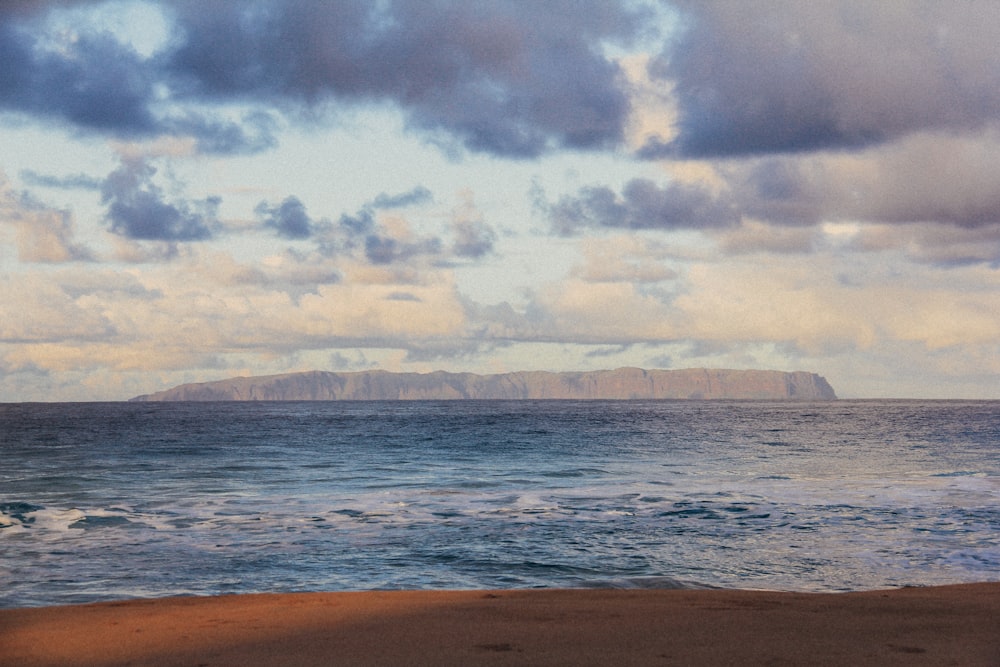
pixel 54 519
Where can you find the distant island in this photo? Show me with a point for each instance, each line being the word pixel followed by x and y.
pixel 620 384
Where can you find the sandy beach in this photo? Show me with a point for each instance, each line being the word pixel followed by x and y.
pixel 950 625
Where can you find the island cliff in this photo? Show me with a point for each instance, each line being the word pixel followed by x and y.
pixel 620 384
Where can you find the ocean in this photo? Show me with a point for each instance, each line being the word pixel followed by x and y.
pixel 103 501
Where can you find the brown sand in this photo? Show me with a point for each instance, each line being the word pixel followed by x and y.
pixel 950 625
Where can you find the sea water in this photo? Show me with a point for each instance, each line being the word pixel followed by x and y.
pixel 115 500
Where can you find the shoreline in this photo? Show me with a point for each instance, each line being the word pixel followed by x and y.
pixel 954 624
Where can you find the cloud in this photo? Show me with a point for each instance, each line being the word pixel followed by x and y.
pixel 932 244
pixel 288 272
pixel 607 351
pixel 43 234
pixel 254 132
pixel 192 313
pixel 436 351
pixel 807 309
pixel 88 80
pixel 356 362
pixel 388 239
pixel 765 77
pixel 941 190
pixel 491 76
pixel 289 218
pixel 137 209
pixel 944 179
pixel 624 258
pixel 384 249
pixel 643 205
pixel 10 9
pixel 361 222
pixel 363 231
pixel 516 79
pixel 73 181
pixel 474 237
pixel 37 309
pixel 605 313
pixel 753 236
pixel 418 195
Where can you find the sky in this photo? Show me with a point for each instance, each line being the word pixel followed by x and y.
pixel 191 191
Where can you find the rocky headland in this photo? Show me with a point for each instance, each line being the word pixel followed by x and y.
pixel 620 384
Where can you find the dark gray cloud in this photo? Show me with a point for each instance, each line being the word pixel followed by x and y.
pixel 253 133
pixel 404 296
pixel 499 76
pixel 418 195
pixel 361 230
pixel 289 218
pixel 608 351
pixel 381 249
pixel 93 82
pixel 137 208
pixel 358 233
pixel 518 79
pixel 782 191
pixel 783 76
pixel 13 8
pixel 933 244
pixel 509 78
pixel 71 182
pixel 949 180
pixel 362 233
pixel 361 222
pixel 643 205
pixel 384 249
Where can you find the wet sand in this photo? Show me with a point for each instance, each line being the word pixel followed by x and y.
pixel 949 625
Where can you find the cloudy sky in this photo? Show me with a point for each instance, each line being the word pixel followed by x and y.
pixel 191 191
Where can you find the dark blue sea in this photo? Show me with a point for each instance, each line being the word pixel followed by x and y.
pixel 117 500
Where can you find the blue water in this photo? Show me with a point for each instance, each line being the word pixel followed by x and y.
pixel 115 500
